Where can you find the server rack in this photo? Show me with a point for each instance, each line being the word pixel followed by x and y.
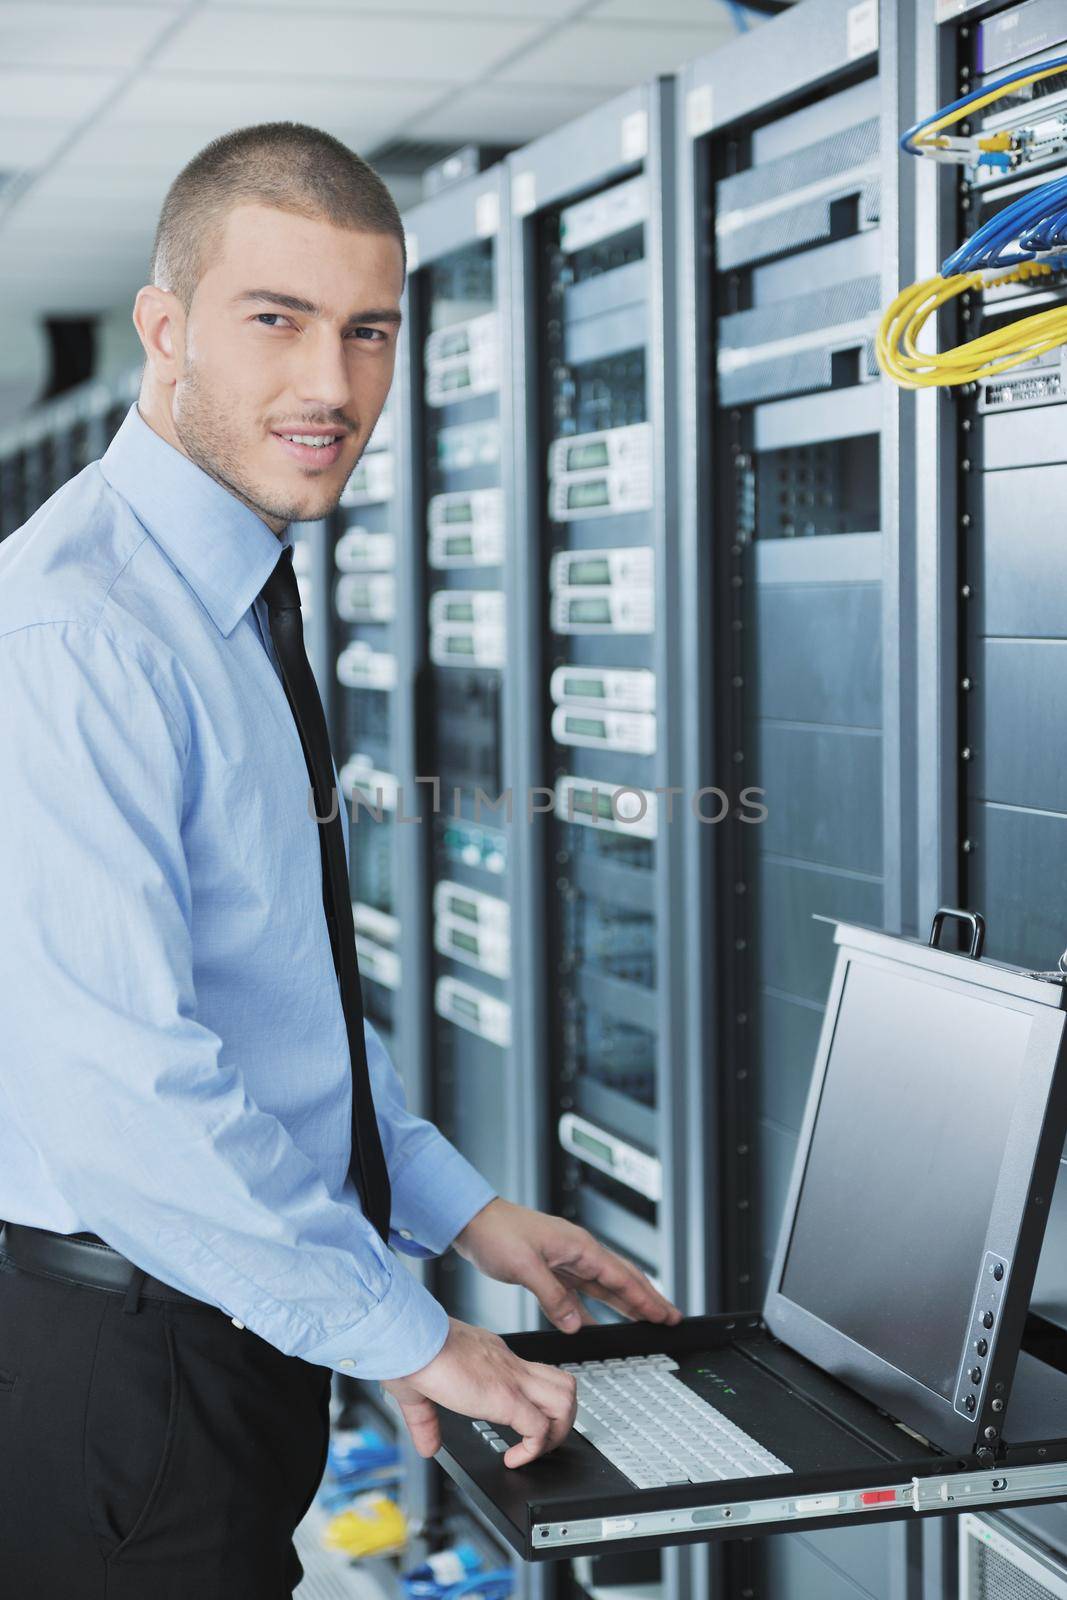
pixel 457 902
pixel 796 614
pixel 361 542
pixel 55 441
pixel 598 865
pixel 991 629
pixel 461 913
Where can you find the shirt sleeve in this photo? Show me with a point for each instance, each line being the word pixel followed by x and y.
pixel 127 1099
pixel 436 1191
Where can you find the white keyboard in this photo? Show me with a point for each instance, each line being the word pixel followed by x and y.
pixel 656 1431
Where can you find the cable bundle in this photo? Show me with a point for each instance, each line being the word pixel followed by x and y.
pixel 1034 224
pixel 897 348
pixel 456 1573
pixel 927 137
pixel 1028 238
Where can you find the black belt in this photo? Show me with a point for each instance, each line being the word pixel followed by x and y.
pixel 84 1258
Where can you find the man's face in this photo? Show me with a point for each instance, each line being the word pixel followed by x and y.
pixel 292 330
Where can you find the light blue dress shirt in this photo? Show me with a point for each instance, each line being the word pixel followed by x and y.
pixel 174 1067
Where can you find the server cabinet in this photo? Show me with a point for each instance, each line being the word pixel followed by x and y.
pixel 597 852
pixel 55 441
pixel 456 463
pixel 591 213
pixel 457 902
pixel 992 628
pixel 361 560
pixel 794 615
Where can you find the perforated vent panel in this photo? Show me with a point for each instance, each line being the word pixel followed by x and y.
pixel 997 1563
pixel 996 1578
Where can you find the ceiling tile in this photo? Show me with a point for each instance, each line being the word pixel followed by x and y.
pixel 130 186
pixel 223 40
pixel 498 115
pixel 237 100
pixel 697 13
pixel 435 10
pixel 615 55
pixel 160 147
pixel 40 95
pixel 25 145
pixel 85 216
pixel 73 35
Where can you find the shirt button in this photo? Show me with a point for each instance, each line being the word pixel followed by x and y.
pixel 405 1233
pixel 346 1362
pixel 236 1323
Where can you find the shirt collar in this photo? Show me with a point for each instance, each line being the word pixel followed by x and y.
pixel 222 549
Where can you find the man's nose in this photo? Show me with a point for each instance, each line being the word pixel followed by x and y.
pixel 323 378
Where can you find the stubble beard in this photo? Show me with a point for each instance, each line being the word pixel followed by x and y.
pixel 211 438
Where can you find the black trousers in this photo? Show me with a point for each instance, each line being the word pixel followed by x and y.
pixel 149 1450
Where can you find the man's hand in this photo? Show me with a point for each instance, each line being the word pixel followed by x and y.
pixel 557 1261
pixel 476 1374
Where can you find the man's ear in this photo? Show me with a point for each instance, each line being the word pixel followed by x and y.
pixel 159 317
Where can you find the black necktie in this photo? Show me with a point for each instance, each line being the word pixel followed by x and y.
pixel 286 629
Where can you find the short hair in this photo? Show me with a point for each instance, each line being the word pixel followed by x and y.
pixel 282 164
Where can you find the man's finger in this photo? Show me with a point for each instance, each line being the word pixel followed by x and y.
pixel 534 1425
pixel 631 1300
pixel 603 1274
pixel 559 1303
pixel 557 1400
pixel 422 1422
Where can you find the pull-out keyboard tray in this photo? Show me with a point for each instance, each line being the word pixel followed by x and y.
pixel 848 1461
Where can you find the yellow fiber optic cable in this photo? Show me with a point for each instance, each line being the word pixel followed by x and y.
pixel 900 358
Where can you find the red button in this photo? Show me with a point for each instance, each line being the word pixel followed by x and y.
pixel 878 1497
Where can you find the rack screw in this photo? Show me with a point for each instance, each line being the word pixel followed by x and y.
pixel 965 753
pixel 998 1405
pixel 991 1433
pixel 967 846
pixel 966 591
pixel 966 683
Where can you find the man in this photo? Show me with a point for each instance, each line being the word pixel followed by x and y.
pixel 184 1171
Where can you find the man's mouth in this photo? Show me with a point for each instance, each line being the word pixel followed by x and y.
pixel 312 448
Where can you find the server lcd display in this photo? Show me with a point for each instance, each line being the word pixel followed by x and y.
pixel 906 1152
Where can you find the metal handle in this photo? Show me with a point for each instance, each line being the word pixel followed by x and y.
pixel 974 920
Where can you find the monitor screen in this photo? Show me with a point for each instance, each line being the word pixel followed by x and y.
pixel 906 1153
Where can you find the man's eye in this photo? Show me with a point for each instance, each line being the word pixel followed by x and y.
pixel 264 317
pixel 376 334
